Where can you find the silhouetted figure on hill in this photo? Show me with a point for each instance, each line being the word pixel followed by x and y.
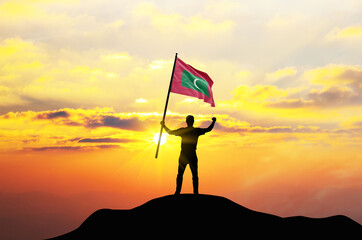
pixel 188 155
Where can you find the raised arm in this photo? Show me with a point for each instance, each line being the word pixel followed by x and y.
pixel 211 125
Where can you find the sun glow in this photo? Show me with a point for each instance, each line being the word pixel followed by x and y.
pixel 163 138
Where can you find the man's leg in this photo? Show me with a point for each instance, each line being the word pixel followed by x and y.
pixel 195 177
pixel 181 169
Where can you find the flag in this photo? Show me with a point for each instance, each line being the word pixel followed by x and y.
pixel 192 82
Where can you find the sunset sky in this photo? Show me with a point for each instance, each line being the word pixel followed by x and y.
pixel 83 86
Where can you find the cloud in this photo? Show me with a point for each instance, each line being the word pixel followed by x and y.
pixel 358 124
pixel 173 25
pixel 258 93
pixel 331 97
pixel 16 9
pixel 341 87
pixel 34 77
pixel 93 118
pixel 33 19
pixel 333 74
pixel 352 124
pixel 290 103
pixel 115 122
pixel 88 129
pixel 335 97
pixel 219 127
pixel 159 64
pixel 117 57
pixel 280 74
pixel 288 21
pixel 255 99
pixel 18 50
pixel 141 100
pixel 105 140
pixel 63 127
pixel 38 74
pixel 230 125
pixel 351 32
pixel 260 129
pixel 55 114
pixel 189 100
pixel 71 148
pixel 88 118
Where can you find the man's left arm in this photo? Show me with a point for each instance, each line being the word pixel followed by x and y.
pixel 211 125
pixel 169 131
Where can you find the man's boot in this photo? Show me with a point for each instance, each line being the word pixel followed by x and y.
pixel 195 183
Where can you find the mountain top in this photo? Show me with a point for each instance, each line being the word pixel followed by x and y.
pixel 201 215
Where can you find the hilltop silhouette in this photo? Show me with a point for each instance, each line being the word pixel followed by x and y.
pixel 206 216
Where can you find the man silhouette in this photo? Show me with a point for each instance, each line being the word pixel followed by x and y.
pixel 188 155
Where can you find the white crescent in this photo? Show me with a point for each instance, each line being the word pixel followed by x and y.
pixel 196 84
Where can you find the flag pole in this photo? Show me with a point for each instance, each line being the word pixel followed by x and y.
pixel 164 112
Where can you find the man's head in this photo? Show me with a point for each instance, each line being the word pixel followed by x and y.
pixel 190 120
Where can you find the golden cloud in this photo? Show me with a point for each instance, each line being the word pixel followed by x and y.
pixel 341 87
pixel 334 74
pixel 174 23
pixel 16 9
pixel 258 93
pixel 32 76
pixel 90 129
pixel 117 56
pixel 331 93
pixel 351 32
pixel 280 74
pixel 15 15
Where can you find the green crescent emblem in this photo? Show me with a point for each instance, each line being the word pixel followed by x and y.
pixel 196 83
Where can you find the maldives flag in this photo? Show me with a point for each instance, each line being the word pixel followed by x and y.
pixel 192 82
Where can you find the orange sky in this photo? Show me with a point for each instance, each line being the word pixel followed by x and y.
pixel 83 85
